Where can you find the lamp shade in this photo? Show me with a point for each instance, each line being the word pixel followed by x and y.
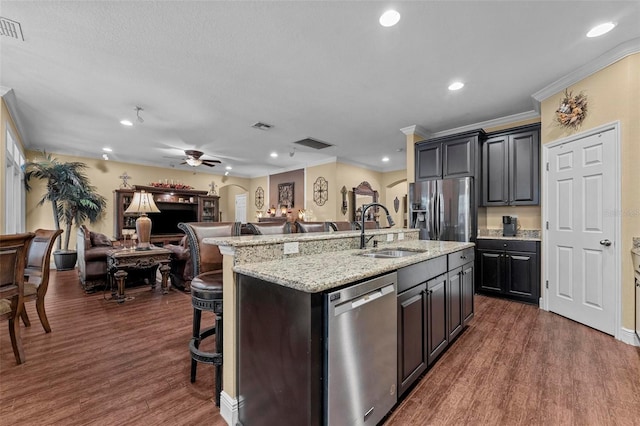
pixel 143 203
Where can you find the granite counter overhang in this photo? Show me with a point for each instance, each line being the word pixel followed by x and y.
pixel 325 271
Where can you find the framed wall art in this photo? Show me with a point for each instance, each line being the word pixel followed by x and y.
pixel 285 194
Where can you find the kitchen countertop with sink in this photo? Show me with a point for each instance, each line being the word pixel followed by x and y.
pixel 324 271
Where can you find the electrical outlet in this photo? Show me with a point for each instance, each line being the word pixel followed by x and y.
pixel 400 236
pixel 291 248
pixel 389 237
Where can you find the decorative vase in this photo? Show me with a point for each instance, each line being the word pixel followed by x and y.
pixel 65 260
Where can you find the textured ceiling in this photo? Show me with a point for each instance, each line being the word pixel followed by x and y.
pixel 204 72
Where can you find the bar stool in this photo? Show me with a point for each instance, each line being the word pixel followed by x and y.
pixel 206 295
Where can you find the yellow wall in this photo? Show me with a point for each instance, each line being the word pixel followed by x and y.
pixel 262 182
pixel 613 95
pixel 395 185
pixel 104 176
pixel 5 121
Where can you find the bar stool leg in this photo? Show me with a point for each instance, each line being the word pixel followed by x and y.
pixel 197 315
pixel 218 365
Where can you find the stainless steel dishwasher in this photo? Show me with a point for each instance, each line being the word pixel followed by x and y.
pixel 361 366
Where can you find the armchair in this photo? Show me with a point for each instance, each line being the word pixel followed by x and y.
pixel 92 248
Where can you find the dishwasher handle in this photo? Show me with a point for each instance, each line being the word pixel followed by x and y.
pixel 363 300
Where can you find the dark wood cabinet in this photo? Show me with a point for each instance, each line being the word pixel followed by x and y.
pixel 509 269
pixel 437 331
pixel 412 336
pixel 510 167
pixel 454 303
pixel 447 157
pixel 467 293
pixel 175 206
pixel 459 291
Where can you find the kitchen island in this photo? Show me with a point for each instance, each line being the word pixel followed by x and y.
pixel 313 265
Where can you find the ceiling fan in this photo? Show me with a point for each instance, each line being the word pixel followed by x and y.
pixel 193 159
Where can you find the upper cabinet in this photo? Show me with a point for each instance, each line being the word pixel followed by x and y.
pixel 511 167
pixel 448 157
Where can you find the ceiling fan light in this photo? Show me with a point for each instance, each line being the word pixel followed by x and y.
pixel 193 162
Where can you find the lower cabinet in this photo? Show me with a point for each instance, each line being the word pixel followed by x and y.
pixel 412 333
pixel 509 268
pixel 438 335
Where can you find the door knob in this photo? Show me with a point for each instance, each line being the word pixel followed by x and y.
pixel 605 243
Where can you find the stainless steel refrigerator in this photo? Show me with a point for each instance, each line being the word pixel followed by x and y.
pixel 444 209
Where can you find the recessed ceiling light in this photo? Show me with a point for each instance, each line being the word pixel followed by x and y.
pixel 228 167
pixel 456 86
pixel 389 18
pixel 105 149
pixel 385 159
pixel 601 29
pixel 126 123
pixel 274 155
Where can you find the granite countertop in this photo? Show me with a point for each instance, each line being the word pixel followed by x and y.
pixel 516 238
pixel 257 240
pixel 321 272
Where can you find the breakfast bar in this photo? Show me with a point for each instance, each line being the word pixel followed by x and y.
pixel 314 265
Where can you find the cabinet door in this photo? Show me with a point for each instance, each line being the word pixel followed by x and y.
pixel 467 292
pixel 454 303
pixel 524 164
pixel 495 171
pixel 491 270
pixel 428 161
pixel 522 281
pixel 437 314
pixel 457 157
pixel 412 336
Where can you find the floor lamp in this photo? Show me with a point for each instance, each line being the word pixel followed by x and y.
pixel 143 203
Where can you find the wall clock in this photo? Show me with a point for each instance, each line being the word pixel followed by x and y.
pixel 260 197
pixel 320 191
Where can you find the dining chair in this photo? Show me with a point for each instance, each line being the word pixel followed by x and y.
pixel 13 250
pixel 36 273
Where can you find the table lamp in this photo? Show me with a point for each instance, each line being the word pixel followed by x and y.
pixel 143 203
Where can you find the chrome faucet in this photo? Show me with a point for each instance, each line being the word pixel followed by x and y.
pixel 363 240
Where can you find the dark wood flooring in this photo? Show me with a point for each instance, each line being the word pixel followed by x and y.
pixel 128 364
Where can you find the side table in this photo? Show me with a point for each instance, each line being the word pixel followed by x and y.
pixel 121 260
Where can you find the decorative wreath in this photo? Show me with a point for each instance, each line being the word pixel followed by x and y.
pixel 572 110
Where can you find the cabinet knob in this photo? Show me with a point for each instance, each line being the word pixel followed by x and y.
pixel 504 245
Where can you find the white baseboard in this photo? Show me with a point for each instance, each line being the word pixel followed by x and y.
pixel 228 408
pixel 629 337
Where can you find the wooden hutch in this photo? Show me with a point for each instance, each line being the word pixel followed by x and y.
pixel 175 205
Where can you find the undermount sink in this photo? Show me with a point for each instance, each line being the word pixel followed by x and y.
pixel 390 254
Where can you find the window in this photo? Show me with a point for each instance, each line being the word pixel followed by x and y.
pixel 15 194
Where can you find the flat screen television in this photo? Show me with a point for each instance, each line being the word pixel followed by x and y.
pixel 166 222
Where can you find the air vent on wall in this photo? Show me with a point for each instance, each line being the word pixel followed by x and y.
pixel 262 126
pixel 11 28
pixel 313 143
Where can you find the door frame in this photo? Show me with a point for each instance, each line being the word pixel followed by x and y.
pixel 544 302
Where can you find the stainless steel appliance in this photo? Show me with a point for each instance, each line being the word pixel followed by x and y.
pixel 443 209
pixel 361 367
pixel 509 226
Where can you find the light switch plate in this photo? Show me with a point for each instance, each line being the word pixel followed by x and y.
pixel 291 248
pixel 400 236
pixel 389 237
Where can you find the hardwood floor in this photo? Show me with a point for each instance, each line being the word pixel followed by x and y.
pixel 128 364
pixel 518 365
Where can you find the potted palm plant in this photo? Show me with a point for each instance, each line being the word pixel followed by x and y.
pixel 73 199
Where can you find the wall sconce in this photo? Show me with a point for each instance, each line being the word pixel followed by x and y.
pixel 258 214
pixel 283 210
pixel 344 200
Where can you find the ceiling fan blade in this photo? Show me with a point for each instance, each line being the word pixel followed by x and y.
pixel 207 164
pixel 214 161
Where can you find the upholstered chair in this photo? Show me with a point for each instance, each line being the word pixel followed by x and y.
pixel 342 226
pixel 305 227
pixel 270 228
pixel 36 273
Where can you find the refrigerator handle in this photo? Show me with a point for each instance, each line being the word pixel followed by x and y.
pixel 434 223
pixel 439 216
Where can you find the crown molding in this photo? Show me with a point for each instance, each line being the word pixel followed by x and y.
pixel 619 52
pixel 522 116
pixel 9 97
pixel 415 130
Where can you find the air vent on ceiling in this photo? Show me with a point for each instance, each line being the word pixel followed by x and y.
pixel 313 143
pixel 11 28
pixel 262 126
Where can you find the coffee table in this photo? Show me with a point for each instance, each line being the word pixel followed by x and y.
pixel 120 261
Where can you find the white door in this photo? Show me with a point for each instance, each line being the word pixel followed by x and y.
pixel 241 208
pixel 580 242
